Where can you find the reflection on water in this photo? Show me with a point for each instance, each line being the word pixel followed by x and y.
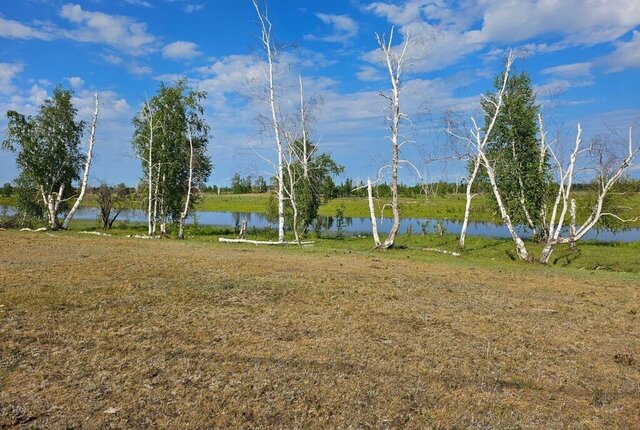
pixel 350 225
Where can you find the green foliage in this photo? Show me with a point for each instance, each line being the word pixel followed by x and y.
pixel 7 190
pixel 241 185
pixel 308 190
pixel 48 150
pixel 514 149
pixel 176 111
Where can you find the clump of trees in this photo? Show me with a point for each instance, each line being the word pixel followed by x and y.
pixel 247 184
pixel 49 157
pixel 6 190
pixel 514 155
pixel 170 138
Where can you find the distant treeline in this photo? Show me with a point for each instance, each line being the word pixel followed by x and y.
pixel 352 188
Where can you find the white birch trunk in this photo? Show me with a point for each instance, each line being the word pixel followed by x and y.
pixel 87 166
pixel 395 67
pixel 305 155
pixel 187 203
pixel 267 43
pixel 372 213
pixel 467 206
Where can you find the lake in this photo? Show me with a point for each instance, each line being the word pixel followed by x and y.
pixel 352 225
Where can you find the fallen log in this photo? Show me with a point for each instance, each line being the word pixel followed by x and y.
pixel 264 242
pixel 96 233
pixel 442 251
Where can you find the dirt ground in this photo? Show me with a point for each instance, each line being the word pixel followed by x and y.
pixel 100 333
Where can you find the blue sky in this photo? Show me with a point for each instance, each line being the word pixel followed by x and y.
pixel 583 56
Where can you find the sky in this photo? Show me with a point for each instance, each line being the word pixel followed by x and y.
pixel 583 57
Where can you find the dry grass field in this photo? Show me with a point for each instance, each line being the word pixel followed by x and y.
pixel 102 332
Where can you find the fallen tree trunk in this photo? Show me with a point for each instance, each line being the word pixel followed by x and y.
pixel 442 251
pixel 262 242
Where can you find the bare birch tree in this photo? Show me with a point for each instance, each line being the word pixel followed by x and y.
pixel 395 61
pixel 270 51
pixel 564 203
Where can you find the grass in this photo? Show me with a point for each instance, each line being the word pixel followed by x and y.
pixel 449 207
pixel 109 332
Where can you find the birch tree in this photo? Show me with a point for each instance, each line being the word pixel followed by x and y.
pixel 48 152
pixel 479 138
pixel 170 138
pixel 271 52
pixel 523 172
pixel 87 166
pixel 564 208
pixel 396 62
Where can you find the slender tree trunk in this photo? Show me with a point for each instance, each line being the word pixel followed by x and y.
pixel 150 214
pixel 267 43
pixel 372 213
pixel 87 166
pixel 467 207
pixel 521 249
pixel 572 224
pixel 305 156
pixel 187 203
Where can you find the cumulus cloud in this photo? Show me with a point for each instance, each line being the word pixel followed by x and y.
pixel 17 30
pixel 466 27
pixel 180 50
pixel 7 72
pixel 344 28
pixel 120 32
pixel 625 56
pixel 75 82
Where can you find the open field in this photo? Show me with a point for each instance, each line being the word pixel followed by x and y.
pixel 108 332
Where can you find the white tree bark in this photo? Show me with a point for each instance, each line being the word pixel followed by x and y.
pixel 469 198
pixel 267 44
pixel 564 203
pixel 87 166
pixel 395 62
pixel 480 141
pixel 303 125
pixel 187 203
pixel 372 213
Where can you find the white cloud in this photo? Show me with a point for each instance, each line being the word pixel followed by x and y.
pixel 191 8
pixel 470 27
pixel 625 56
pixel 344 28
pixel 142 3
pixel 574 70
pixel 138 70
pixel 112 59
pixel 7 73
pixel 180 50
pixel 75 82
pixel 16 30
pixel 120 32
pixel 582 23
pixel 369 74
